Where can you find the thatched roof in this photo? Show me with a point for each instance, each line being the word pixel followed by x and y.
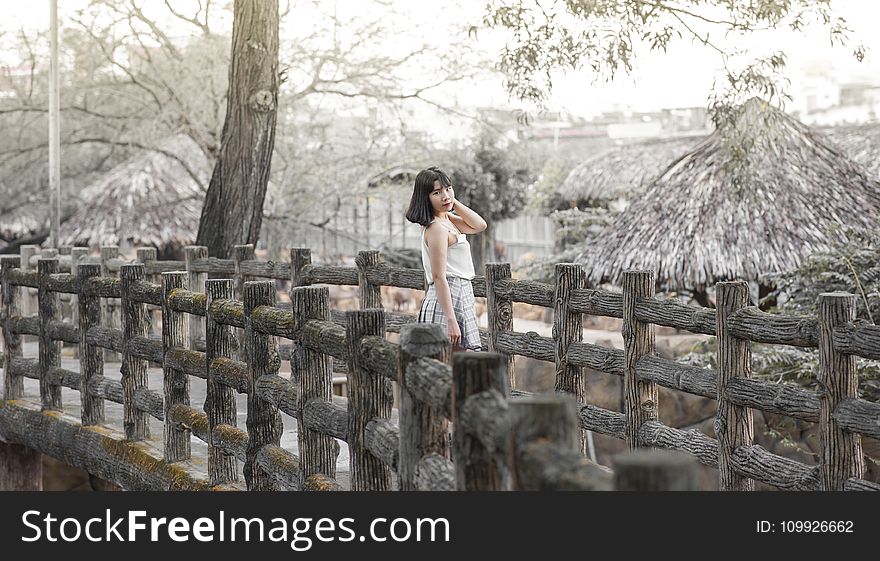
pixel 718 213
pixel 150 199
pixel 23 218
pixel 623 171
pixel 859 142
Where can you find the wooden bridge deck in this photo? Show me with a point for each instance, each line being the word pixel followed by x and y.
pixel 198 464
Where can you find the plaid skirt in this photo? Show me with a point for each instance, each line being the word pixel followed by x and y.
pixel 464 306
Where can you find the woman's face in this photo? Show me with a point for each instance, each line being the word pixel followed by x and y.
pixel 441 198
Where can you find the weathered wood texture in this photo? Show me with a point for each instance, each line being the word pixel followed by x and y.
pixel 546 447
pixel 311 374
pixel 435 473
pixel 655 470
pixel 300 257
pixel 263 420
pixel 13 385
pixel 369 397
pixel 859 339
pixel 752 324
pixel 176 383
pixel 733 423
pixel 50 350
pixel 638 341
pixel 499 309
pixel 21 467
pixel 91 357
pixel 423 428
pixel 477 468
pixel 196 284
pixel 110 310
pixel 567 329
pixel 840 454
pixel 134 370
pixel 369 295
pixel 220 405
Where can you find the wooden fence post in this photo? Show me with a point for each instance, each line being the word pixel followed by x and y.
pixel 176 383
pixel 733 423
pixel 299 258
pixel 29 305
pixel 13 385
pixel 567 329
pixel 196 284
pixel 91 357
pixel 263 419
pixel 64 298
pixel 134 370
pixel 423 429
pixel 840 456
pixel 76 255
pixel 241 253
pixel 21 468
pixel 50 350
pixel 638 341
pixel 655 470
pixel 312 374
pixel 110 314
pixel 499 310
pixel 476 467
pixel 369 397
pixel 147 255
pixel 220 405
pixel 370 294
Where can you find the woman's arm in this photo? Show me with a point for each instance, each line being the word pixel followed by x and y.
pixel 438 242
pixel 467 221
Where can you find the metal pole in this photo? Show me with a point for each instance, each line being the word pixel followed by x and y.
pixel 54 138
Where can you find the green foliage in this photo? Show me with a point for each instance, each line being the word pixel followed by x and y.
pixel 607 37
pixel 545 197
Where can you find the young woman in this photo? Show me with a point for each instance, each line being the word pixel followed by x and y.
pixel 446 257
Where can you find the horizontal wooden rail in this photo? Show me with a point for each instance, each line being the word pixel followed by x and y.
pixel 187 301
pixel 672 313
pixel 754 325
pixel 529 292
pixel 529 344
pixel 210 265
pixel 861 340
pixel 596 302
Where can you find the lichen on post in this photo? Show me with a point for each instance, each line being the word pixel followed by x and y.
pixel 50 350
pixel 134 370
pixel 220 405
pixel 312 375
pixel 176 383
pixel 369 397
pixel 263 418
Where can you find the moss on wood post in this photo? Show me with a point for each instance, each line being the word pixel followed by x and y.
pixel 299 258
pixel 220 404
pixel 312 375
pixel 76 255
pixel 370 295
pixel 369 397
pixel 840 455
pixel 134 370
pixel 196 284
pixel 500 312
pixel 91 356
pixel 263 418
pixel 21 468
pixel 50 350
pixel 13 385
pixel 110 311
pixel 655 470
pixel 147 256
pixel 423 429
pixel 733 423
pixel 29 305
pixel 176 382
pixel 567 329
pixel 640 396
pixel 476 467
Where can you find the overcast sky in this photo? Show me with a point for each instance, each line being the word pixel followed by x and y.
pixel 679 78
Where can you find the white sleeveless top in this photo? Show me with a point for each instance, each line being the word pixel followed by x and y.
pixel 458 256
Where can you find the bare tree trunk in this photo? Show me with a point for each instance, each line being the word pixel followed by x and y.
pixel 233 209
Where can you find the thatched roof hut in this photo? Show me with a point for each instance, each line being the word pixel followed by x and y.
pixel 623 171
pixel 859 142
pixel 755 197
pixel 152 199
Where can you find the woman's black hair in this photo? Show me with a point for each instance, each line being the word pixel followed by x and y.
pixel 420 210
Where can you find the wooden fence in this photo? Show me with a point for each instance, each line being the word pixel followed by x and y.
pixel 502 439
